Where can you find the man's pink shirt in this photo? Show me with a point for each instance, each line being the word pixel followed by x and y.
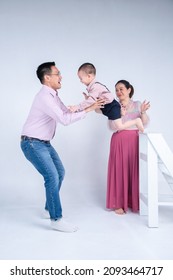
pixel 46 112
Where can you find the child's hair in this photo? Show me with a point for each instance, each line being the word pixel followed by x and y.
pixel 127 85
pixel 88 68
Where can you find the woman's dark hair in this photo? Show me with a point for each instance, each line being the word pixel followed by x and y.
pixel 44 69
pixel 127 85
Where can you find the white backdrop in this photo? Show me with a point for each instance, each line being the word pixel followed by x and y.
pixel 125 39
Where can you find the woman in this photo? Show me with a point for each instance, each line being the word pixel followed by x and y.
pixel 123 166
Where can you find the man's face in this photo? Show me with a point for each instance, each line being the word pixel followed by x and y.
pixel 53 80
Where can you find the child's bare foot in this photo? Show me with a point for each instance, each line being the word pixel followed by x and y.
pixel 119 211
pixel 139 124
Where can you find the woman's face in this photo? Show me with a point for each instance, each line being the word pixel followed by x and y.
pixel 122 92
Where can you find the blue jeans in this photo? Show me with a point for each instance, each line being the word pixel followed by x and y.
pixel 46 160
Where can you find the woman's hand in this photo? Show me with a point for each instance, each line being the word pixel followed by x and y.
pixel 145 106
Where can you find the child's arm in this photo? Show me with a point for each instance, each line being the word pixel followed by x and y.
pixel 73 108
pixel 83 105
pixel 89 100
pixel 86 96
pixel 95 92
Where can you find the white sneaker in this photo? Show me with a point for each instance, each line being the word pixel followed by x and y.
pixel 62 225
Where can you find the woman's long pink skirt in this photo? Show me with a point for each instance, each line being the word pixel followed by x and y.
pixel 123 171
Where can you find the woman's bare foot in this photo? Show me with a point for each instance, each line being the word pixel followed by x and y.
pixel 139 124
pixel 119 211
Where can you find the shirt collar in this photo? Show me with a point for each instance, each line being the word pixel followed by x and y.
pixel 90 85
pixel 50 90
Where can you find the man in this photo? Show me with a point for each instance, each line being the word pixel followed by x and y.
pixel 46 112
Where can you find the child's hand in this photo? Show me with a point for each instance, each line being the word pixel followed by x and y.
pixel 85 95
pixel 72 109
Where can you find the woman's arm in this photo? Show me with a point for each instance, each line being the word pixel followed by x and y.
pixel 144 107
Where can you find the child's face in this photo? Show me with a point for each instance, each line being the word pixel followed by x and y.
pixel 85 78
